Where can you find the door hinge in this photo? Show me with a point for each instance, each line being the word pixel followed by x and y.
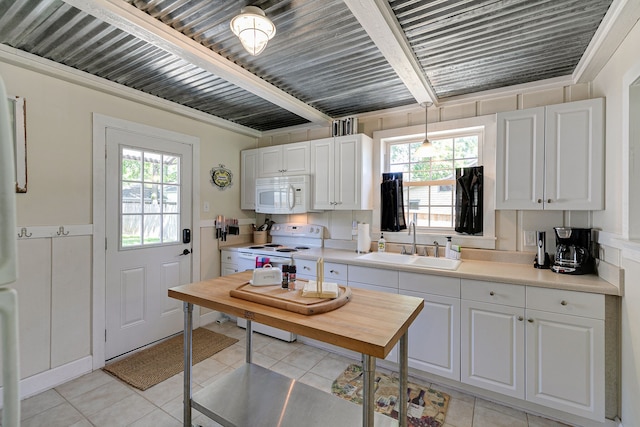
pixel 105 243
pixel 105 335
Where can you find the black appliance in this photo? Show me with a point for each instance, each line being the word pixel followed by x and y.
pixel 469 200
pixel 573 251
pixel 392 212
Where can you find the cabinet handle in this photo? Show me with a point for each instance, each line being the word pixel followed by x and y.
pixel 520 318
pixel 530 320
pixel 492 293
pixel 548 200
pixel 539 200
pixel 563 302
pixel 306 268
pixel 333 272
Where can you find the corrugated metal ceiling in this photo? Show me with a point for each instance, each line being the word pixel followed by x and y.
pixel 320 55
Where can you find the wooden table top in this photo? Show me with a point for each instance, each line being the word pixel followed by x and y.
pixel 371 323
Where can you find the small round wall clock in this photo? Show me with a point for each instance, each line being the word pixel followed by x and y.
pixel 221 177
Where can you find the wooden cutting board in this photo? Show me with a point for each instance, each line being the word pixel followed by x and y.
pixel 291 300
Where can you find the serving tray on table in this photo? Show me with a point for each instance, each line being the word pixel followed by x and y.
pixel 291 300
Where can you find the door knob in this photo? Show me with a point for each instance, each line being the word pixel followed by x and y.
pixel 185 252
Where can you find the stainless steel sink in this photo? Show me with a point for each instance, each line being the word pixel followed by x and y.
pixel 411 260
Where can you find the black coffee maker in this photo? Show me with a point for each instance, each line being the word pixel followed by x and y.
pixel 573 251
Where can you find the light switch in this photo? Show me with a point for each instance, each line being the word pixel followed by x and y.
pixel 205 206
pixel 530 238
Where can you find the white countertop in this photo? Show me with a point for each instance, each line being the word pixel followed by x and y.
pixel 513 273
pixel 504 272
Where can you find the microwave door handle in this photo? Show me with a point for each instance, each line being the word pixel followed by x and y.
pixel 292 197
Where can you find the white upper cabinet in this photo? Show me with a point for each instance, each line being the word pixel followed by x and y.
pixel 551 157
pixel 342 173
pixel 249 171
pixel 287 159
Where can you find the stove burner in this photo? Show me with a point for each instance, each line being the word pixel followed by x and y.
pixel 286 250
pixel 302 248
pixel 256 247
pixel 272 245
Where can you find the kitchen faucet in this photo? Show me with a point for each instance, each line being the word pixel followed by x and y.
pixel 414 249
pixel 435 252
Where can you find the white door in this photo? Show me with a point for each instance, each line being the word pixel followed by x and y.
pixel 565 364
pixel 492 347
pixel 148 205
pixel 520 159
pixel 434 337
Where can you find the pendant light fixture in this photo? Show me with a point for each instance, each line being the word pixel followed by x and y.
pixel 426 148
pixel 253 28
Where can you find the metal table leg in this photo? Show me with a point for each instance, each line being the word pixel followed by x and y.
pixel 249 339
pixel 404 370
pixel 188 326
pixel 369 369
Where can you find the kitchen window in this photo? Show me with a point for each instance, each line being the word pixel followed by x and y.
pixel 434 216
pixel 429 183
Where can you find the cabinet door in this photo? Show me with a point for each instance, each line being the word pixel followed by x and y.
pixel 249 166
pixel 353 185
pixel 322 168
pixel 520 159
pixel 270 161
pixel 226 269
pixel 574 153
pixel 434 337
pixel 565 363
pixel 295 158
pixel 492 347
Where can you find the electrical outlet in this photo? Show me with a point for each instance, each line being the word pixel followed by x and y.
pixel 530 238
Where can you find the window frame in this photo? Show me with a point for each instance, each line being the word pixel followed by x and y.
pixel 486 158
pixel 435 136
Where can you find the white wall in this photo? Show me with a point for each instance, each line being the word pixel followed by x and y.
pixel 55 298
pixel 609 83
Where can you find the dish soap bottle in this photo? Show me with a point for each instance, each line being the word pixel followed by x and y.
pixel 382 244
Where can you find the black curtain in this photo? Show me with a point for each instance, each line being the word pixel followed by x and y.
pixel 469 200
pixel 392 212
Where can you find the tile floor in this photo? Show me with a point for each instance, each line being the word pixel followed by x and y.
pixel 98 399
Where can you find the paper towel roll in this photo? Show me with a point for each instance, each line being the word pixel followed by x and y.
pixel 364 238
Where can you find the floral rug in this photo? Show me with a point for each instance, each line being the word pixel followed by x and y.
pixel 426 407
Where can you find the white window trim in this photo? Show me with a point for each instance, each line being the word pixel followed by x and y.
pixel 486 158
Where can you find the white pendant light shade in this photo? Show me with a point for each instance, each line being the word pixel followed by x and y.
pixel 253 28
pixel 426 148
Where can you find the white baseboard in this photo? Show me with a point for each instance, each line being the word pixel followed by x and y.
pixel 53 377
pixel 209 317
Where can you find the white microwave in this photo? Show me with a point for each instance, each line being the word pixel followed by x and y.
pixel 283 194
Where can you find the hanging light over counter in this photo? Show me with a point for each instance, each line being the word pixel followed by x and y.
pixel 253 28
pixel 426 148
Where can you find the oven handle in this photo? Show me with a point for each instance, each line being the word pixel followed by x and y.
pixel 272 259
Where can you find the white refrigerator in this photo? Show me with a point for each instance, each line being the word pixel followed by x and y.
pixel 8 270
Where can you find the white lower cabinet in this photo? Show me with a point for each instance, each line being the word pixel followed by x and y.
pixel 434 337
pixel 492 336
pixel 228 263
pixel 565 363
pixel 547 348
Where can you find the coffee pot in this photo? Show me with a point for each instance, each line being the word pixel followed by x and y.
pixel 573 251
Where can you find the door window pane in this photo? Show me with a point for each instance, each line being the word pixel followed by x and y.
pixel 150 198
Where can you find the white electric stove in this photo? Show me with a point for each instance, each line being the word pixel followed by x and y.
pixel 286 240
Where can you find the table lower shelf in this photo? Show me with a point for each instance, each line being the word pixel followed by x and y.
pixel 253 396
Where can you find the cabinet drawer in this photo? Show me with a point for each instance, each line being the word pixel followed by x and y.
pixel 566 302
pixel 436 285
pixel 496 293
pixel 335 272
pixel 229 256
pixel 373 276
pixel 306 267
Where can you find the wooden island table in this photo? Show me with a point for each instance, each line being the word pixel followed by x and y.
pixel 371 323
